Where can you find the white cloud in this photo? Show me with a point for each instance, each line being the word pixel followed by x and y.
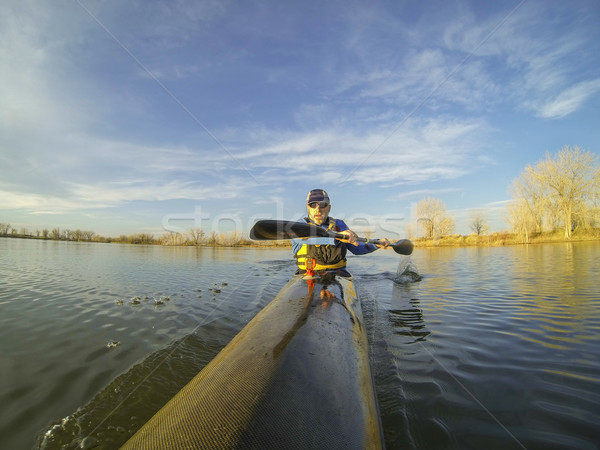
pixel 570 99
pixel 416 151
pixel 42 203
pixel 518 55
pixel 98 195
pixel 110 194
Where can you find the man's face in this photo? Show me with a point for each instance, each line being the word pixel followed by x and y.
pixel 317 212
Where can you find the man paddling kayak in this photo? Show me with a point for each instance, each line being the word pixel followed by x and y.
pixel 328 253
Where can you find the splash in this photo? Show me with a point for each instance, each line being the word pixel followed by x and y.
pixel 407 272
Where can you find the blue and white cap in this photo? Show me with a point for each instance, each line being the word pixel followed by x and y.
pixel 317 195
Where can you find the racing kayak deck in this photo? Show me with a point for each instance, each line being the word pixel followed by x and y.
pixel 297 376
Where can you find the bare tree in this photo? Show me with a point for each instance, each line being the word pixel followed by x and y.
pixel 572 178
pixel 478 222
pixel 197 235
pixel 521 219
pixel 530 191
pixel 446 226
pixel 590 218
pixel 560 191
pixel 227 239
pixel 235 238
pixel 432 215
pixel 214 238
pixel 4 229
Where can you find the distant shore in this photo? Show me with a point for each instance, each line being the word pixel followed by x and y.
pixel 490 240
pixel 506 238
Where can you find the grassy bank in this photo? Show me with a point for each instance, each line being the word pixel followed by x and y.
pixel 505 238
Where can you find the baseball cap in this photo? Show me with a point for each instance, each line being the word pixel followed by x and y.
pixel 317 195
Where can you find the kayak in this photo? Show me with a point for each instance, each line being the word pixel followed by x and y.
pixel 296 376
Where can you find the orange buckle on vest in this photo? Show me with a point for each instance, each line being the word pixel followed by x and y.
pixel 310 264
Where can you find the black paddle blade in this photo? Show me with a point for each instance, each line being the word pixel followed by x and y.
pixel 403 247
pixel 268 230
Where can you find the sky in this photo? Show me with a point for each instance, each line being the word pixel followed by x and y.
pixel 127 117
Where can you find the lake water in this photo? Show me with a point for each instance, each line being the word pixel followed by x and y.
pixel 493 348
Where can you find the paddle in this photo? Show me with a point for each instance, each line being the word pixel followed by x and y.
pixel 265 230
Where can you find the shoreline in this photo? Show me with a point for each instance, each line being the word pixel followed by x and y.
pixel 491 240
pixel 504 239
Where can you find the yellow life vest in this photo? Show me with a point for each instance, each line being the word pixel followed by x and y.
pixel 322 257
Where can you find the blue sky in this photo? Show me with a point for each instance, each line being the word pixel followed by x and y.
pixel 142 116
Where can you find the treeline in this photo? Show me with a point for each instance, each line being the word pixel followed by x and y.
pixel 198 237
pixel 195 237
pixel 55 234
pixel 560 194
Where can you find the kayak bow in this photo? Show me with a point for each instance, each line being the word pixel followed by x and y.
pixel 297 376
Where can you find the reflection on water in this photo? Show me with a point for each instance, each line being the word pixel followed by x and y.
pixel 409 323
pixel 471 348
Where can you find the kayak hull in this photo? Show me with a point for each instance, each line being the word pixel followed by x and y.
pixel 297 376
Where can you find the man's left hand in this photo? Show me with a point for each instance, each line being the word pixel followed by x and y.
pixel 383 243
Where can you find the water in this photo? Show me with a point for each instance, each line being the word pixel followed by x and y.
pixel 492 348
pixel 495 348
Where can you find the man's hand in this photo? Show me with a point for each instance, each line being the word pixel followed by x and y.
pixel 351 237
pixel 383 243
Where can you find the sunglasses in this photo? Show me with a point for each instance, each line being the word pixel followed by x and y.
pixel 322 205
